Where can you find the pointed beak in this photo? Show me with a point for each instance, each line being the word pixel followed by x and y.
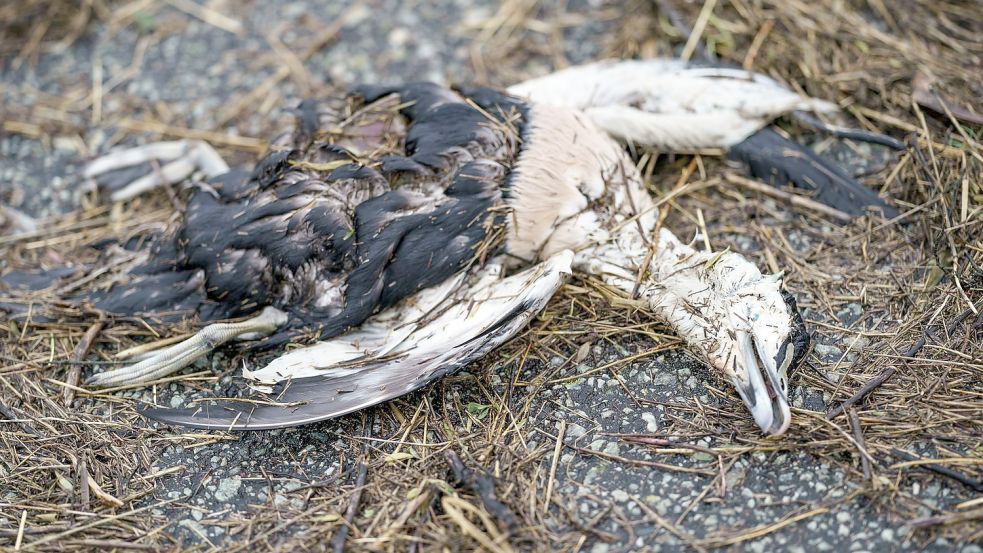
pixel 762 385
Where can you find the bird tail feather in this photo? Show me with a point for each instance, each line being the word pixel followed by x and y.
pixel 778 161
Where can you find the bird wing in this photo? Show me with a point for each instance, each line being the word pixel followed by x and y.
pixel 482 313
pixel 670 104
pixel 687 107
pixel 363 202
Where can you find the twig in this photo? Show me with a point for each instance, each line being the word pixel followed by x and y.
pixel 493 540
pixel 639 462
pixel 75 529
pixel 113 544
pixel 208 15
pixel 888 372
pixel 81 350
pixel 338 540
pixel 688 539
pixel 701 24
pixel 556 458
pixel 647 439
pixel 756 42
pixel 942 520
pixel 871 385
pixel 858 435
pixel 47 528
pixel 246 143
pixel 763 530
pixel 794 199
pixel 20 530
pixel 972 483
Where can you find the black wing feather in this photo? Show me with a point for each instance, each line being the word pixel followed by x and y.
pixel 779 161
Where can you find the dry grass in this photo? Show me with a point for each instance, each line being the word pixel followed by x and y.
pixel 78 474
pixel 33 27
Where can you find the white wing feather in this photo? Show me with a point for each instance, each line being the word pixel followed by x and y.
pixel 670 104
pixel 376 337
pixel 342 375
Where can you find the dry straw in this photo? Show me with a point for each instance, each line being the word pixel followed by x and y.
pixel 76 466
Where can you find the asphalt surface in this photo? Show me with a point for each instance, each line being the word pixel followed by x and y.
pixel 197 71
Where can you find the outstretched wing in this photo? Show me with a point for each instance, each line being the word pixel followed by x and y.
pixel 670 104
pixel 402 353
pixel 364 202
pixel 681 106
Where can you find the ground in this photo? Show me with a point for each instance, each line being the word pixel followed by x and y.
pixel 655 451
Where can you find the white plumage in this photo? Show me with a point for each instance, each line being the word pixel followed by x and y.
pixel 574 190
pixel 670 104
pixel 576 203
pixel 433 333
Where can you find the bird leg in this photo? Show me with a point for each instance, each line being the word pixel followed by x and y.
pixel 173 358
pixel 722 307
pixel 130 172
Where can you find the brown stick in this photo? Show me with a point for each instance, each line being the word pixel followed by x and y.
pixel 947 519
pixel 888 372
pixel 648 439
pixel 46 529
pixel 81 350
pixel 114 544
pixel 869 387
pixel 640 462
pixel 940 470
pixel 338 540
pixel 793 199
pixel 858 435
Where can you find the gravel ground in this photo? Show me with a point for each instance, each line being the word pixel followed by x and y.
pixel 194 74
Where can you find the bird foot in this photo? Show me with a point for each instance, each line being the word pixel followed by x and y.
pixel 129 172
pixel 173 358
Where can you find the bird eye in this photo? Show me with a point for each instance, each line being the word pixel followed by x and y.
pixel 783 359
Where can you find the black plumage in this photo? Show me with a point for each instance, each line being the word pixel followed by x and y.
pixel 356 208
pixel 777 160
pixel 386 194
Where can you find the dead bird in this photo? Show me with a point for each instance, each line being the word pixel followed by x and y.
pixel 412 229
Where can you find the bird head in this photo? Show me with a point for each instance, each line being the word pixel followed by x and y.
pixel 762 338
pixel 761 374
pixel 739 319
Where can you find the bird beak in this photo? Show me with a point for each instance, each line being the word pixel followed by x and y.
pixel 762 384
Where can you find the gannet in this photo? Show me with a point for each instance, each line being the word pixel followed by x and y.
pixel 401 232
